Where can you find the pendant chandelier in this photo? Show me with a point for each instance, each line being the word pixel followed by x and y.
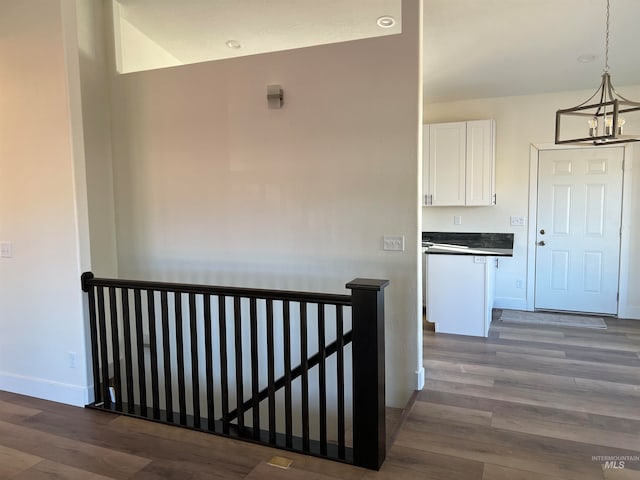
pixel 605 118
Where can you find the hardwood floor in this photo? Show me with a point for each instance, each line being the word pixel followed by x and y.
pixel 531 402
pixel 526 403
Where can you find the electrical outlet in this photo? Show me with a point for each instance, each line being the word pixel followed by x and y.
pixel 518 221
pixel 518 283
pixel 457 219
pixel 72 359
pixel 393 243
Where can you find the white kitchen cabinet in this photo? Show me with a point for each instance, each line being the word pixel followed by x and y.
pixel 459 163
pixel 461 291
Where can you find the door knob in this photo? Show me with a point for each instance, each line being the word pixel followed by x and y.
pixel 541 243
pixel 542 232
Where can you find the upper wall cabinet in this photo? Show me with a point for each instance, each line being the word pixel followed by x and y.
pixel 458 163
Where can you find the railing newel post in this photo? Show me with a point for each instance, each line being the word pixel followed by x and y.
pixel 93 333
pixel 84 281
pixel 369 432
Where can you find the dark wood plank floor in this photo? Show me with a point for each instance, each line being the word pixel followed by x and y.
pixel 526 403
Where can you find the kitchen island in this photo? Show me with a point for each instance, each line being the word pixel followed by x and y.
pixel 460 279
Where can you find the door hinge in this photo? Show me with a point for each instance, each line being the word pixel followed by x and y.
pixel 494 197
pixel 428 199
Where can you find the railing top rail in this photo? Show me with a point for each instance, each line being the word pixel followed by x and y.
pixel 88 280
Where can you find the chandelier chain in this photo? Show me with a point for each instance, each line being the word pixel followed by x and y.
pixel 606 44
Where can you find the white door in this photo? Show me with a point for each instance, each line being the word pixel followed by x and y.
pixel 578 229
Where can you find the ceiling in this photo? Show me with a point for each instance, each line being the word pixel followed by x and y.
pixel 161 33
pixel 489 48
pixel 472 48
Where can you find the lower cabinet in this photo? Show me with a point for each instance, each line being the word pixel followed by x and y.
pixel 460 293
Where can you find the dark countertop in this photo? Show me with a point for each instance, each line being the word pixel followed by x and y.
pixel 463 243
pixel 456 250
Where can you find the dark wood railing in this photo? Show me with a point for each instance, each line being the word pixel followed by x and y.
pixel 207 358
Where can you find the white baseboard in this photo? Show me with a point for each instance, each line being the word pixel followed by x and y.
pixel 420 379
pixel 510 303
pixel 631 312
pixel 46 389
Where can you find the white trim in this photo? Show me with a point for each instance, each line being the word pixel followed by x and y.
pixel 510 303
pixel 41 388
pixel 420 379
pixel 420 301
pixel 632 313
pixel 624 311
pixel 531 233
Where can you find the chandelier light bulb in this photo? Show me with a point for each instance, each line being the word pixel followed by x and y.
pixel 593 126
pixel 608 125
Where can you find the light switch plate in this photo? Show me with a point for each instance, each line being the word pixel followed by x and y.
pixel 393 243
pixel 6 250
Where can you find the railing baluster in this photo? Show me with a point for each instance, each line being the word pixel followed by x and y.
pixel 255 386
pixel 224 375
pixel 195 373
pixel 322 379
pixel 208 353
pixel 142 378
pixel 182 399
pixel 304 379
pixel 115 345
pixel 128 356
pixel 166 357
pixel 340 379
pixel 288 415
pixel 237 317
pixel 103 348
pixel 153 353
pixel 271 374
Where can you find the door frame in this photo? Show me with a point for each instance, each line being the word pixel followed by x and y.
pixel 625 244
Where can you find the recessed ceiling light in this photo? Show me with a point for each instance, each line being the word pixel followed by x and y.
pixel 233 44
pixel 587 58
pixel 386 21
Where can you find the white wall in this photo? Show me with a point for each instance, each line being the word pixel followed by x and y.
pixel 95 127
pixel 41 206
pixel 212 186
pixel 141 53
pixel 522 121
